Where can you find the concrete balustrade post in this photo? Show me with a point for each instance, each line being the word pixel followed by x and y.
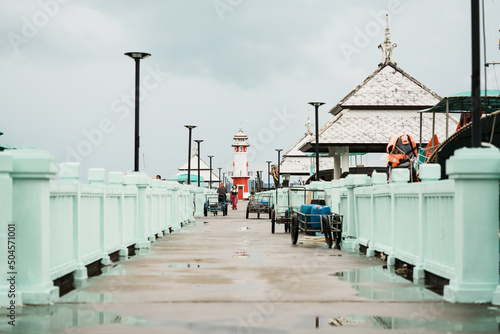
pixel 144 228
pixel 199 202
pixel 69 172
pixel 349 230
pixel 97 177
pixel 400 175
pixel 141 181
pixel 476 172
pixel 335 205
pixel 115 179
pixel 427 173
pixel 32 171
pixel 8 230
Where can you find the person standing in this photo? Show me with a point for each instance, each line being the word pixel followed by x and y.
pixel 234 198
pixel 222 193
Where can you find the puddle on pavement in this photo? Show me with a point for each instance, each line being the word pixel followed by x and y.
pixel 241 254
pixel 186 265
pixel 419 321
pixel 380 284
pixel 64 319
pixel 86 297
pixel 191 231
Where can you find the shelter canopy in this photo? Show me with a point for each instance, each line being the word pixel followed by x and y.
pixel 462 102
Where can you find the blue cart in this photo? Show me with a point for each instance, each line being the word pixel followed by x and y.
pixel 315 216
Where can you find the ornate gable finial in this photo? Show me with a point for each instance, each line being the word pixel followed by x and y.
pixel 387 47
pixel 309 126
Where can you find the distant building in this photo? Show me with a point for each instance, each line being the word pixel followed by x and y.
pixel 182 172
pixel 240 174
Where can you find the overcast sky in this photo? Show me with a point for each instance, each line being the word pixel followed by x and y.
pixel 67 87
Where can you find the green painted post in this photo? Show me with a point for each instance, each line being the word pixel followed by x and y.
pixel 115 179
pixel 476 172
pixel 97 177
pixel 32 171
pixel 69 172
pixel 141 181
pixel 7 230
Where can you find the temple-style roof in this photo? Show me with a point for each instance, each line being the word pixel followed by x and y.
pixel 204 169
pixel 384 104
pixel 389 87
pixel 296 162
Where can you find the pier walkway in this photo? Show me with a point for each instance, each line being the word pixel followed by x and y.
pixel 231 275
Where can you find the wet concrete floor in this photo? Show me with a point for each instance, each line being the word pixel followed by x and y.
pixel 231 275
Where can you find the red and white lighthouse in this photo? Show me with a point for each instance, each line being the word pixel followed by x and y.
pixel 240 164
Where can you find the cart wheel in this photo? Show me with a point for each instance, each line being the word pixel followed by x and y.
pixel 205 212
pixel 327 231
pixel 337 236
pixel 273 220
pixel 248 210
pixel 294 232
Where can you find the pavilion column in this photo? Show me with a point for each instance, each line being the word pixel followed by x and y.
pixel 335 152
pixel 345 159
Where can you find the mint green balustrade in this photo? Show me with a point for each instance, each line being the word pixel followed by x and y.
pixel 64 212
pixel 170 186
pixel 350 228
pixel 91 220
pixel 438 229
pixel 138 181
pixel 199 197
pixel 130 211
pixel 5 220
pixel 163 208
pixel 476 172
pixel 155 196
pixel 364 216
pixel 115 220
pixel 32 170
pixel 175 214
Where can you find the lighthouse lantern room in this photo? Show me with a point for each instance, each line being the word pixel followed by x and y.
pixel 240 164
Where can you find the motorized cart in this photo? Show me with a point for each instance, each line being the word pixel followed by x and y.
pixel 213 205
pixel 315 216
pixel 260 203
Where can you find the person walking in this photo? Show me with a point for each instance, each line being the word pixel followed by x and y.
pixel 222 193
pixel 234 198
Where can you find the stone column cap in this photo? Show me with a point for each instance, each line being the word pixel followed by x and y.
pixel 33 163
pixel 475 163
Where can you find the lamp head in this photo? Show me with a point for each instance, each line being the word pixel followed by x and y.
pixel 190 126
pixel 316 104
pixel 137 55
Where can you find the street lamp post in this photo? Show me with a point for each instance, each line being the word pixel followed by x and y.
pixel 137 56
pixel 268 174
pixel 199 142
pixel 316 106
pixel 219 168
pixel 279 151
pixel 190 128
pixel 210 156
